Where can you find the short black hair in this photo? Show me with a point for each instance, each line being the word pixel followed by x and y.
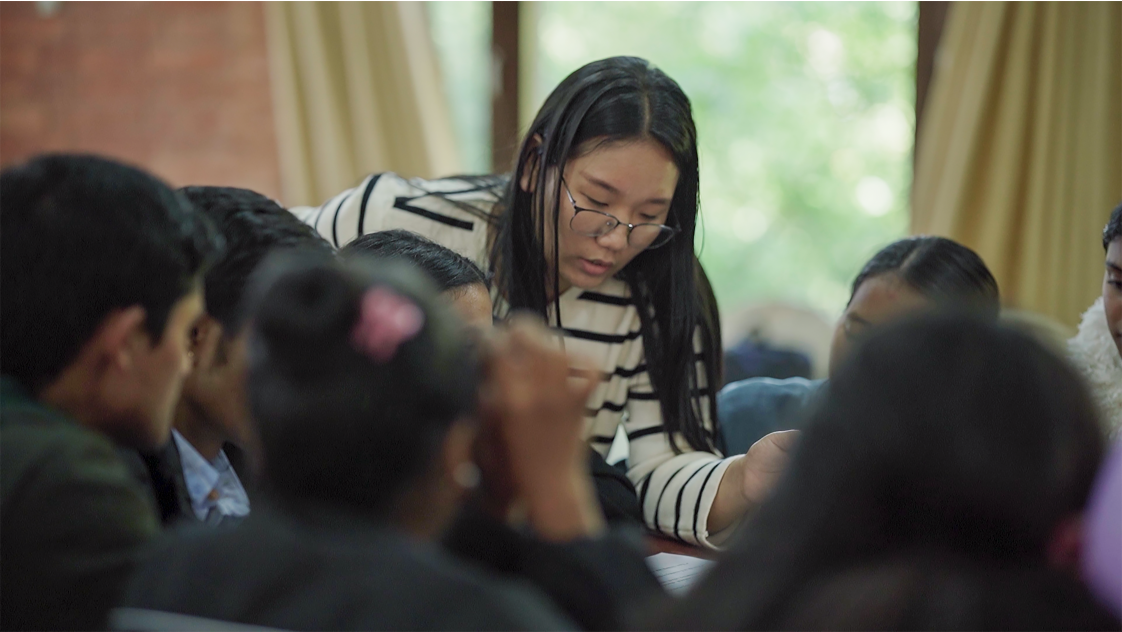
pixel 939 268
pixel 449 269
pixel 253 226
pixel 1113 229
pixel 80 237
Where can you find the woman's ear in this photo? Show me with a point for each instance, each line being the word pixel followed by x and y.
pixel 207 347
pixel 529 176
pixel 118 340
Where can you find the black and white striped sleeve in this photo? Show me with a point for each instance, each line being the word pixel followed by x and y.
pixel 676 491
pixel 436 209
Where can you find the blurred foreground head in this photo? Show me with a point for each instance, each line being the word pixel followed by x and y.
pixel 946 443
pixel 362 385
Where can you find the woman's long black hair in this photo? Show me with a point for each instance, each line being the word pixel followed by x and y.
pixel 939 268
pixel 620 99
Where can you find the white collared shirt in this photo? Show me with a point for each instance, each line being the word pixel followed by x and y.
pixel 212 485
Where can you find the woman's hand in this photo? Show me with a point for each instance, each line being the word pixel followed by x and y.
pixel 764 462
pixel 532 411
pixel 749 479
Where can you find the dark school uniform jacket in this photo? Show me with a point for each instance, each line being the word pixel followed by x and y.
pixel 160 472
pixel 72 519
pixel 311 568
pixel 596 582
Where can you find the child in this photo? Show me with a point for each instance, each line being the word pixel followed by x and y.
pixel 460 281
pixel 904 276
pixel 365 391
pixel 479 534
pixel 192 477
pixel 1097 348
pixel 101 266
pixel 938 485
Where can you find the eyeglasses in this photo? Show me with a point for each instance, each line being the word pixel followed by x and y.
pixel 592 223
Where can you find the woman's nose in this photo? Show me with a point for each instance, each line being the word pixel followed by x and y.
pixel 615 239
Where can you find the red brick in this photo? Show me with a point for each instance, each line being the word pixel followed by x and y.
pixel 180 88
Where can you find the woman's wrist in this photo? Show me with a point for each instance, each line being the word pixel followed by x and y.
pixel 732 500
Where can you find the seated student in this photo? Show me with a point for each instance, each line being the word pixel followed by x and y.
pixel 100 265
pixel 906 275
pixel 591 581
pixel 466 287
pixel 192 476
pixel 457 277
pixel 938 485
pixel 364 390
pixel 1097 349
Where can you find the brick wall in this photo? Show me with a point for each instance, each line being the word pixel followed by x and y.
pixel 179 88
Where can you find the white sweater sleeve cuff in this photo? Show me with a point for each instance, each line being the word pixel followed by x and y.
pixel 678 495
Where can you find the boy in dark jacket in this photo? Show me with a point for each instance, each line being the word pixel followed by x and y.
pixel 194 477
pixel 100 265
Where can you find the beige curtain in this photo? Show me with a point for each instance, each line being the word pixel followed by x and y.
pixel 1020 150
pixel 356 89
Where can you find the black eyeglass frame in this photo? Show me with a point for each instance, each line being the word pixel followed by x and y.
pixel 664 229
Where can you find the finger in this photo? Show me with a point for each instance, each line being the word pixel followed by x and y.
pixel 582 385
pixel 784 439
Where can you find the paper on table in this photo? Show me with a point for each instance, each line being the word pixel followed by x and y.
pixel 677 573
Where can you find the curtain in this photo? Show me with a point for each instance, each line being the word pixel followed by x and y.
pixel 356 89
pixel 1019 155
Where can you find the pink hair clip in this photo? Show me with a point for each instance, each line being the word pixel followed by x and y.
pixel 385 321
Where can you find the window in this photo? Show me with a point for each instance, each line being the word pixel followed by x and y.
pixel 804 113
pixel 462 34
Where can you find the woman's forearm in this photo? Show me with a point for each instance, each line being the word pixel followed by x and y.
pixel 750 478
pixel 730 503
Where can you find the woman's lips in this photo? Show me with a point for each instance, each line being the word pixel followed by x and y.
pixel 595 267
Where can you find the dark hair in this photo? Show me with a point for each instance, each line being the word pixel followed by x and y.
pixel 80 237
pixel 336 426
pixel 1113 228
pixel 939 268
pixel 253 226
pixel 613 100
pixel 944 433
pixel 938 590
pixel 449 269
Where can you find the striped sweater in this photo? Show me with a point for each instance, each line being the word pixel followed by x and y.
pixel 676 490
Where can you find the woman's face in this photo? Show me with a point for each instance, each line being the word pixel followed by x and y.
pixel 633 181
pixel 877 300
pixel 1112 292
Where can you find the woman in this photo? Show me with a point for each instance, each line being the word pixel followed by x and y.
pixel 1097 349
pixel 594 231
pixel 938 485
pixel 915 273
pixel 365 393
